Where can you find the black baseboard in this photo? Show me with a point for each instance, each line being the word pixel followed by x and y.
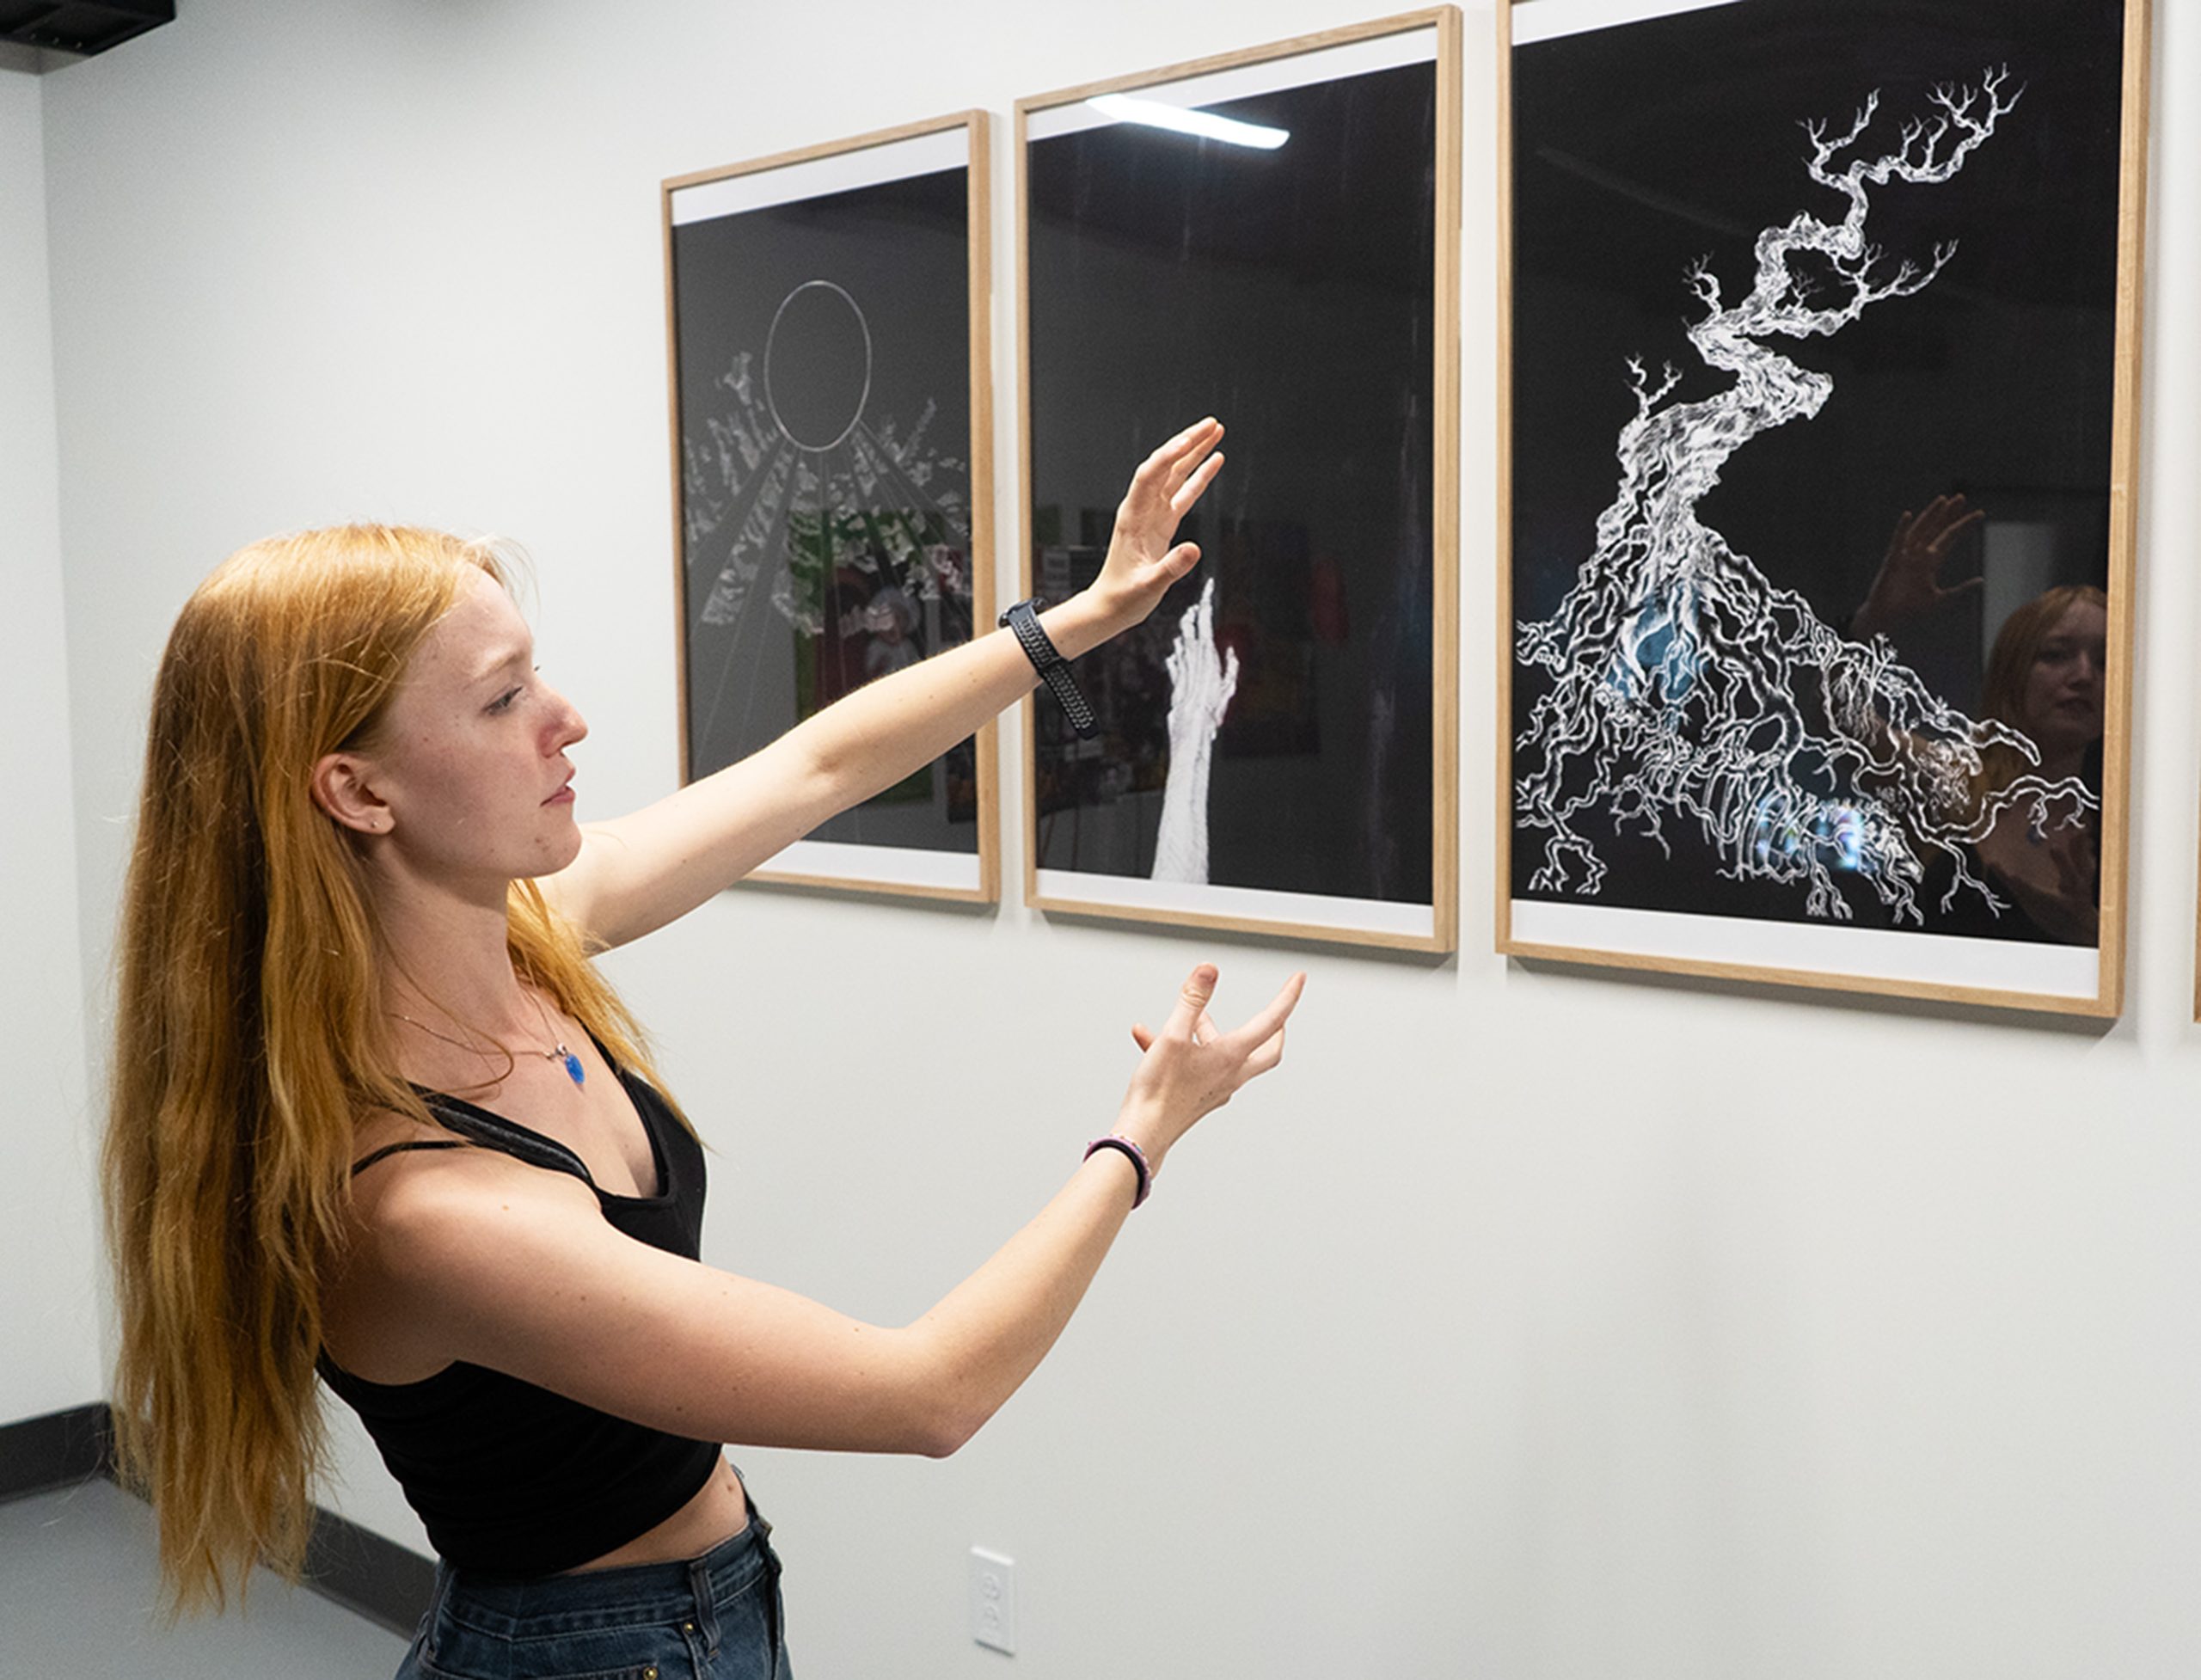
pixel 57 1450
pixel 370 1576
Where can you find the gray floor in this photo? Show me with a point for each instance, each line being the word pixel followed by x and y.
pixel 78 1582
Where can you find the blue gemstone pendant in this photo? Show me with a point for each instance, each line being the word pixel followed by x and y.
pixel 574 1070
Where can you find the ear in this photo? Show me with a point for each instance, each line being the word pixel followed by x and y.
pixel 341 788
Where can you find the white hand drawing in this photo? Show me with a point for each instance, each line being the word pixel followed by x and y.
pixel 1201 682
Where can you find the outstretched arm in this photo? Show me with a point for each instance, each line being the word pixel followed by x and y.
pixel 635 873
pixel 470 1256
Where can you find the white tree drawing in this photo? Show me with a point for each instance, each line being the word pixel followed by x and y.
pixel 1685 685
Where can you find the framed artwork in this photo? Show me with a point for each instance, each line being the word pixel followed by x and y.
pixel 1822 353
pixel 832 421
pixel 1270 238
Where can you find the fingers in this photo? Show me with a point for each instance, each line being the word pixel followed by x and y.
pixel 1939 543
pixel 1977 516
pixel 1182 452
pixel 1950 512
pixel 1195 485
pixel 1192 1002
pixel 1926 535
pixel 1269 1023
pixel 1255 1048
pixel 1166 470
pixel 1931 532
pixel 1167 458
pixel 1266 1055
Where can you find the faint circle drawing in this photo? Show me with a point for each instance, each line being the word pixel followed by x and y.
pixel 817 366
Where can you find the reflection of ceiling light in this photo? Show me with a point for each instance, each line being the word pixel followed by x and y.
pixel 1204 124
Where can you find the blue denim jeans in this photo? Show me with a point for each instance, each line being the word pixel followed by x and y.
pixel 716 1618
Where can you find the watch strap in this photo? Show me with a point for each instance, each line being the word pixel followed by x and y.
pixel 1022 619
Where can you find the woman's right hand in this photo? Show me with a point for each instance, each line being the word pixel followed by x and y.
pixel 1191 1067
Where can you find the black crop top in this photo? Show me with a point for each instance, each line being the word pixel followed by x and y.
pixel 511 1479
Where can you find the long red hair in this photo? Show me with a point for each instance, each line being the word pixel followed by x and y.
pixel 2009 665
pixel 248 1035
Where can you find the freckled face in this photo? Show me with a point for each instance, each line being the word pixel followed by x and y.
pixel 471 760
pixel 2063 690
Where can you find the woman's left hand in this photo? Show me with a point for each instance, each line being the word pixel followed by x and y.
pixel 1142 564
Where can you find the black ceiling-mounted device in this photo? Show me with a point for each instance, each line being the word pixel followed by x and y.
pixel 80 26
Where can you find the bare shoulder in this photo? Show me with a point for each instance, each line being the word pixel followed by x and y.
pixel 436 1236
pixel 423 1210
pixel 467 1256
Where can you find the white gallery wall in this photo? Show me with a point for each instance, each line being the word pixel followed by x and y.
pixel 50 1346
pixel 1527 1324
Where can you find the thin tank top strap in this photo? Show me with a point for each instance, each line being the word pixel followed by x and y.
pixel 369 1160
pixel 494 1132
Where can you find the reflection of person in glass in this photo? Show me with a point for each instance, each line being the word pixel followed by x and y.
pixel 379 1120
pixel 2044 678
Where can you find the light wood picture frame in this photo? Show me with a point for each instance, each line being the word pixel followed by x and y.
pixel 1306 292
pixel 828 326
pixel 1820 355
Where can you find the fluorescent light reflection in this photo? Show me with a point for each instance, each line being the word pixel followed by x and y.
pixel 1205 124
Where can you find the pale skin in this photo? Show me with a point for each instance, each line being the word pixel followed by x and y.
pixel 467 1254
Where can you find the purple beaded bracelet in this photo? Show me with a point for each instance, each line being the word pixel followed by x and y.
pixel 1135 1155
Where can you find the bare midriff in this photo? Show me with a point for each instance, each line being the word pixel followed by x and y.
pixel 719 1511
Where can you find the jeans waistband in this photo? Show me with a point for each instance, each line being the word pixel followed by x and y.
pixel 609 1597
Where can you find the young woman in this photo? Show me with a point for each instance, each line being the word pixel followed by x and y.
pixel 377 1116
pixel 2047 676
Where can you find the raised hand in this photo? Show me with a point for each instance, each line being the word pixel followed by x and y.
pixel 1192 1067
pixel 1908 583
pixel 1142 563
pixel 2064 899
pixel 1201 679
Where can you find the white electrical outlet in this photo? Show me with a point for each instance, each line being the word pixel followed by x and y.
pixel 993 1599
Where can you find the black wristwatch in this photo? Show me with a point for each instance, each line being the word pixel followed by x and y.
pixel 1023 617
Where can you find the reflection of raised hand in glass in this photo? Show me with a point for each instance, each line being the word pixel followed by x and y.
pixel 1201 682
pixel 1908 583
pixel 2053 872
pixel 2027 789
